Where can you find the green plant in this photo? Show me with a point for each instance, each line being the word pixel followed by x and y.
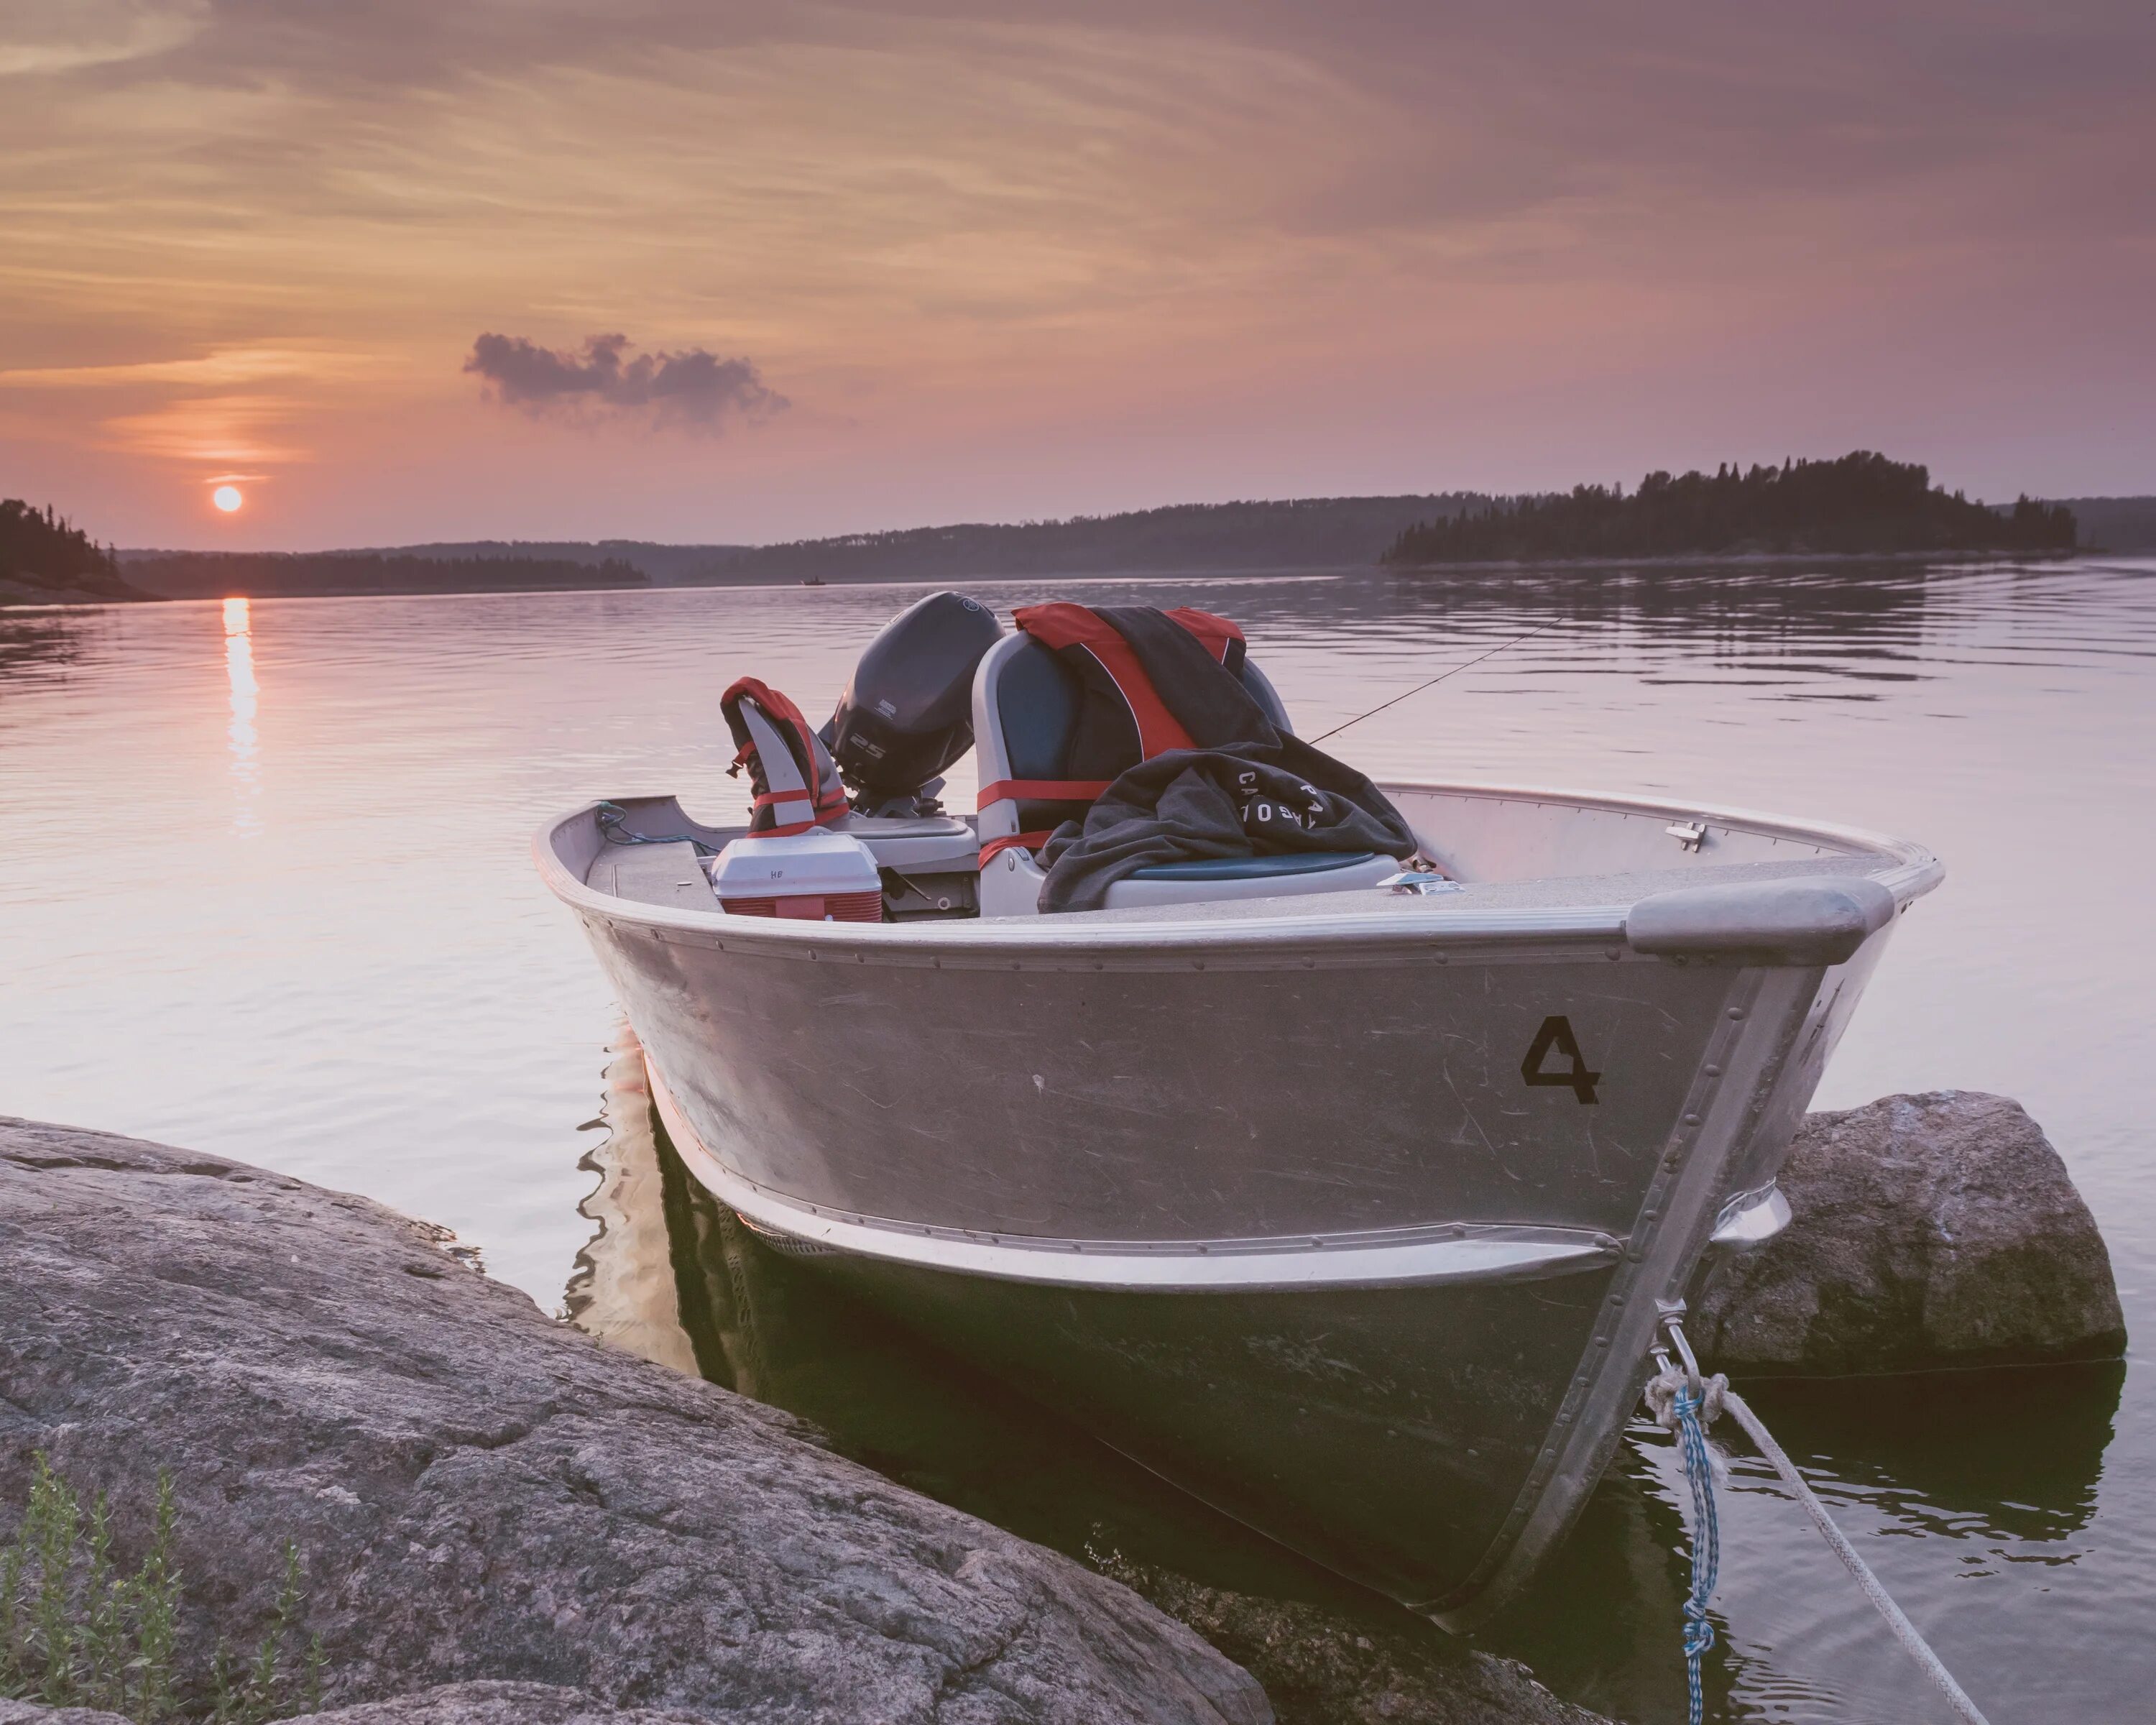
pixel 73 1632
pixel 156 1611
pixel 51 1544
pixel 263 1693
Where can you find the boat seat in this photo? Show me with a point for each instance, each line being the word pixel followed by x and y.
pixel 1025 712
pixel 1252 868
pixel 914 843
pixel 1281 876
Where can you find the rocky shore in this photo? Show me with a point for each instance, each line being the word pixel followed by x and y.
pixel 498 1519
pixel 481 1493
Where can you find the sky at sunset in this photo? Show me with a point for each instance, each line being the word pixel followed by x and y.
pixel 680 270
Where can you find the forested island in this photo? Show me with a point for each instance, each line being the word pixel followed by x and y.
pixel 45 559
pixel 1863 503
pixel 324 574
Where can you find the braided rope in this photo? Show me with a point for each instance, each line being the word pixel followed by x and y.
pixel 1680 1408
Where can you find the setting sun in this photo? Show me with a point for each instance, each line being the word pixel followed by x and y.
pixel 227 498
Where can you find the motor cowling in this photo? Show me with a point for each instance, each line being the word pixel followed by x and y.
pixel 907 711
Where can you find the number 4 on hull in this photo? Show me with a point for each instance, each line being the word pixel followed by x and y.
pixel 1556 1037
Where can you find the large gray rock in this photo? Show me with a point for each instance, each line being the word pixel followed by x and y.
pixel 1321 1670
pixel 481 1493
pixel 29 1712
pixel 1929 1231
pixel 495 1704
pixel 484 1703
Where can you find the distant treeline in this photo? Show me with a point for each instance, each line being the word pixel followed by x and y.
pixel 665 565
pixel 221 574
pixel 1307 533
pixel 1861 503
pixel 2125 524
pixel 46 558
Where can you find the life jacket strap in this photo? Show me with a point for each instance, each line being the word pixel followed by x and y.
pixel 1042 790
pixel 1012 841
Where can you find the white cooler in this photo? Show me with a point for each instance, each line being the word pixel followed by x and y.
pixel 816 876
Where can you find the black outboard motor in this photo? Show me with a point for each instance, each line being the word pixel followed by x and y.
pixel 908 712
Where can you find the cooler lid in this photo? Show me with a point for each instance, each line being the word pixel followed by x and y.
pixel 819 862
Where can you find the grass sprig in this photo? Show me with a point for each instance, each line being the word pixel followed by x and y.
pixel 75 1632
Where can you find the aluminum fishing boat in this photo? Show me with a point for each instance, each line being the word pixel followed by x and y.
pixel 1342 1195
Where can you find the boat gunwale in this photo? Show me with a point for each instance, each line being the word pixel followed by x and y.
pixel 1910 871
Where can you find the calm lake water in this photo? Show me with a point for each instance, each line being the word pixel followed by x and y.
pixel 265 890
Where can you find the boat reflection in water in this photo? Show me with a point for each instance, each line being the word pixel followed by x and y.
pixel 2003 1464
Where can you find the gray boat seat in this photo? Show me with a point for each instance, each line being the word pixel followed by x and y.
pixel 1249 868
pixel 1025 713
pixel 1253 877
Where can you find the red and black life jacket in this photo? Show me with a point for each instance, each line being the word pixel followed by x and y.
pixel 795 781
pixel 1121 719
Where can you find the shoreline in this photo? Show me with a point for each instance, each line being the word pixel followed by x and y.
pixel 1742 563
pixel 961 583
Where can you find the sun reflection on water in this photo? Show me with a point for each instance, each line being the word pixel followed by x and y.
pixel 240 673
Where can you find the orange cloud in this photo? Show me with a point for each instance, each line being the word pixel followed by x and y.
pixel 222 431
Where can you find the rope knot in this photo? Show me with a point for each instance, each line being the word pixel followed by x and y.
pixel 1667 1387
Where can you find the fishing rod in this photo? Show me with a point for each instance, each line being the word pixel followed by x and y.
pixel 1436 679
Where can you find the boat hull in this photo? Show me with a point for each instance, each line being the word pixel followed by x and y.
pixel 1428 1427
pixel 1384 1433
pixel 1356 1231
